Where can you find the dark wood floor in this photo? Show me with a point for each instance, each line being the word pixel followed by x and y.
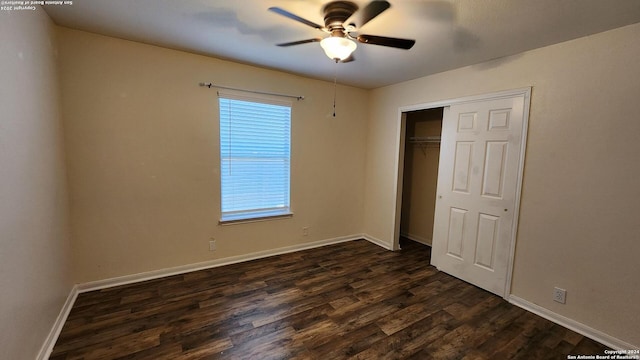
pixel 350 300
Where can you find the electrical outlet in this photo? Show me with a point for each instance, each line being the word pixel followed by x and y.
pixel 305 231
pixel 559 295
pixel 212 244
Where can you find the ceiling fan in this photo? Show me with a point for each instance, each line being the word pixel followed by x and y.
pixel 342 19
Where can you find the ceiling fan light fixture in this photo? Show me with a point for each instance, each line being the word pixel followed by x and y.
pixel 338 48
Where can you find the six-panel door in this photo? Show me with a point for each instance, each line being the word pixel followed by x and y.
pixel 477 184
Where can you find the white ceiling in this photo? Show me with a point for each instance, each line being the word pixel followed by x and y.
pixel 448 34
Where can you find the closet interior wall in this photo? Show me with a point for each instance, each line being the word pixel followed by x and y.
pixel 420 176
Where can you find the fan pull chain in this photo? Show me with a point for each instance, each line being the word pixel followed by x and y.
pixel 335 77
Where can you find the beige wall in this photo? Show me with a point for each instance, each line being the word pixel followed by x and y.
pixel 35 272
pixel 420 175
pixel 143 146
pixel 579 226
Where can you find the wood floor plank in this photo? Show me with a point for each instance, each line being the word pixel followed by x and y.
pixel 113 348
pixel 352 300
pixel 358 339
pixel 409 340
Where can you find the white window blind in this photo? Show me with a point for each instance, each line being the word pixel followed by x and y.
pixel 255 153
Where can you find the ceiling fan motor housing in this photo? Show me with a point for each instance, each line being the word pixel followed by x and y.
pixel 336 13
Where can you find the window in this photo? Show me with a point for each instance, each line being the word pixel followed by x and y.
pixel 255 157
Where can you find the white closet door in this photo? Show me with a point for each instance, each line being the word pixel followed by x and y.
pixel 478 179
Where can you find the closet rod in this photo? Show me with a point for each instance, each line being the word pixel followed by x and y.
pixel 210 85
pixel 424 139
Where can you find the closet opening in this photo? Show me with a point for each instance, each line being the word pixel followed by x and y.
pixel 422 133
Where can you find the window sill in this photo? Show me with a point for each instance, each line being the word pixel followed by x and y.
pixel 243 219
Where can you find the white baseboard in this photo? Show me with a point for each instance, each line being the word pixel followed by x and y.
pixel 377 241
pixel 580 328
pixel 50 341
pixel 155 274
pixel 416 238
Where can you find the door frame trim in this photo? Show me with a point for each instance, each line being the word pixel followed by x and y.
pixel 399 161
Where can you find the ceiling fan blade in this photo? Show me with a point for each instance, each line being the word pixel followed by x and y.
pixel 297 18
pixel 367 13
pixel 299 42
pixel 387 41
